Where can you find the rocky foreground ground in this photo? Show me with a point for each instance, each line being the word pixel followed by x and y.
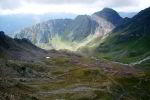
pixel 60 75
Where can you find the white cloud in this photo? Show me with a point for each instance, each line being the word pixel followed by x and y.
pixel 62 1
pixel 69 6
pixel 47 8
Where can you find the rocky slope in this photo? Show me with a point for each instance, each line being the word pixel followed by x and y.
pixel 78 29
pixel 17 48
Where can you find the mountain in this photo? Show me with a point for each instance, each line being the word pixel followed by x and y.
pixel 81 27
pixel 74 31
pixel 15 55
pixel 110 15
pixel 17 48
pixel 42 32
pixel 129 42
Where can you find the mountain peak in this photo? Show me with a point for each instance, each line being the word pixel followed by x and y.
pixel 108 9
pixel 110 15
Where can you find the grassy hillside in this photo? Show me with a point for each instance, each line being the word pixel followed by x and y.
pixel 17 48
pixel 130 41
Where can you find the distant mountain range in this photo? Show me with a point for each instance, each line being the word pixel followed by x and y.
pixel 13 23
pixel 72 31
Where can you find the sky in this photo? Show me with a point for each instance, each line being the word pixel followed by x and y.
pixel 39 7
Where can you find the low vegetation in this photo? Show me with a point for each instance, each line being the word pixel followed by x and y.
pixel 70 76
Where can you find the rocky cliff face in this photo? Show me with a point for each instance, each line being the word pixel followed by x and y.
pixel 100 23
pixel 81 27
pixel 43 32
pixel 107 19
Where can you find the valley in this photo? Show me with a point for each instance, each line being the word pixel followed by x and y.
pixel 92 57
pixel 70 76
pixel 67 75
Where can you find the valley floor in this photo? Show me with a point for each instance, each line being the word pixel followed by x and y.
pixel 61 75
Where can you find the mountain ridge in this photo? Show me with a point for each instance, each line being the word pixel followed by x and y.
pixel 75 30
